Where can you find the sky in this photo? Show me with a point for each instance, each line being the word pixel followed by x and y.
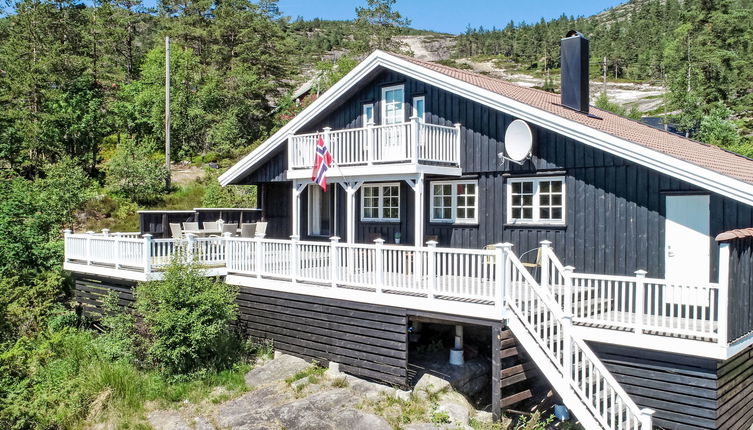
pixel 453 16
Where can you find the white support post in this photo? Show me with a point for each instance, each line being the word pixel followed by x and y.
pixel 723 306
pixel 415 138
pixel 225 246
pixel 640 300
pixel 371 156
pixel 297 190
pixel 350 191
pixel 458 336
pixel 117 250
pixel 294 257
pixel 647 417
pixel 418 211
pixel 89 235
pixel 147 253
pixel 567 346
pixel 431 257
pixel 379 263
pixel 333 263
pixel 259 255
pixel 567 303
pixel 291 151
pixel 457 142
pixel 545 275
pixel 327 138
pixel 66 247
pixel 190 245
pixel 106 232
pixel 501 276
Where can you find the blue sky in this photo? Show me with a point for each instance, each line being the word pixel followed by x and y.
pixel 452 16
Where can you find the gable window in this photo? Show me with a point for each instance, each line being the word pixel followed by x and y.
pixel 419 108
pixel 380 202
pixel 454 201
pixel 392 105
pixel 536 201
pixel 368 114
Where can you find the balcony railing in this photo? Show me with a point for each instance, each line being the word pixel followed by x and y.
pixel 411 142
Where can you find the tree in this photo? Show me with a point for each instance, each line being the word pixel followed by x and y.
pixel 135 173
pixel 378 24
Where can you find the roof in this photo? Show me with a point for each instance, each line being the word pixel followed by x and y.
pixel 706 166
pixel 740 233
pixel 700 154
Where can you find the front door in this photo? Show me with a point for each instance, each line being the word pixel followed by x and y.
pixel 320 210
pixel 687 245
pixel 392 138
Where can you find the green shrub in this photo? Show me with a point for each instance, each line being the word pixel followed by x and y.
pixel 187 318
pixel 134 173
pixel 236 196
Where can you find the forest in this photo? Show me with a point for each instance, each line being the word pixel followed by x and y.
pixel 82 131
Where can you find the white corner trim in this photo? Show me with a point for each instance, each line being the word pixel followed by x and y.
pixel 694 174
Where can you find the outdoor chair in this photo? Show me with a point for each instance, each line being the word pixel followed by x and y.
pixel 175 230
pixel 535 265
pixel 230 228
pixel 248 229
pixel 214 225
pixel 191 226
pixel 432 237
pixel 261 228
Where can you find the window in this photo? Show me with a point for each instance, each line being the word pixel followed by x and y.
pixel 392 105
pixel 368 114
pixel 536 201
pixel 418 108
pixel 380 202
pixel 454 201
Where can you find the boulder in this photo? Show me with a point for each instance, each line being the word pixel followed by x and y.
pixel 167 420
pixel 430 384
pixel 275 370
pixel 353 419
pixel 251 408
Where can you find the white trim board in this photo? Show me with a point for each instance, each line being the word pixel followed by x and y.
pixel 684 170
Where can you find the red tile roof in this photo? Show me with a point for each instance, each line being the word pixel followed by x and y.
pixel 739 233
pixel 701 154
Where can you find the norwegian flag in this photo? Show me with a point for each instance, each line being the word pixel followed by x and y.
pixel 322 162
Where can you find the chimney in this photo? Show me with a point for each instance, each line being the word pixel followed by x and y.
pixel 574 71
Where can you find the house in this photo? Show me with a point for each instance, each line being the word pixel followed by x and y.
pixel 616 255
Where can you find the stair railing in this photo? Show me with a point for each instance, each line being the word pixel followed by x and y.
pixel 579 367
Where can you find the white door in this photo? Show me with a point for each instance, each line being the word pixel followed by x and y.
pixel 319 211
pixel 687 245
pixel 392 139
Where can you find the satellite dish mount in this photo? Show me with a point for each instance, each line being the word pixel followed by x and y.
pixel 518 143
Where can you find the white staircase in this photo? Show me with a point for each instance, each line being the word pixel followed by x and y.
pixel 574 371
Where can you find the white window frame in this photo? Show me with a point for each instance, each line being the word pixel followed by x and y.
pixel 380 199
pixel 365 116
pixel 415 111
pixel 454 204
pixel 536 220
pixel 383 103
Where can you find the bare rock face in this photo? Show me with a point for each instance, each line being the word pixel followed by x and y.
pixel 430 384
pixel 276 370
pixel 167 420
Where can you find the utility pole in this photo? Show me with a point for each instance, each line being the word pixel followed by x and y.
pixel 605 75
pixel 167 108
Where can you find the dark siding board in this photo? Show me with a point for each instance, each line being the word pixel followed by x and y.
pixel 277 209
pixel 735 392
pixel 741 287
pixel 90 293
pixel 331 330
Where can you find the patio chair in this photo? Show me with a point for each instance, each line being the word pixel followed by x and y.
pixel 248 229
pixel 190 226
pixel 261 228
pixel 213 225
pixel 230 228
pixel 535 265
pixel 175 230
pixel 429 237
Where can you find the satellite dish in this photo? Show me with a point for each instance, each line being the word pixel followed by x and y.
pixel 518 141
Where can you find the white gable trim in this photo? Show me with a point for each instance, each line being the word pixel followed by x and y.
pixel 689 172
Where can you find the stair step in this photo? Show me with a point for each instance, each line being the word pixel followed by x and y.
pixel 506 334
pixel 514 370
pixel 516 398
pixel 509 352
pixel 520 377
pixel 507 343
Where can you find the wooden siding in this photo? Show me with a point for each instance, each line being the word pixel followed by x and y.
pixel 273 170
pixel 367 340
pixel 741 288
pixel 158 223
pixel 735 392
pixel 90 293
pixel 681 389
pixel 277 207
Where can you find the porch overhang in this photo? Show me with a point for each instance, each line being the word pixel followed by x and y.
pixel 377 172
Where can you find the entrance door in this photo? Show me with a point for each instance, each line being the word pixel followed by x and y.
pixel 320 211
pixel 393 113
pixel 687 246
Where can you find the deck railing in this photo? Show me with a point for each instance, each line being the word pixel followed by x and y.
pixel 637 303
pixel 413 141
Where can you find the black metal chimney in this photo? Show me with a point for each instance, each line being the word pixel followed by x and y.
pixel 574 71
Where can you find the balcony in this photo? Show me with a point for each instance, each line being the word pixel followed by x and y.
pixel 405 148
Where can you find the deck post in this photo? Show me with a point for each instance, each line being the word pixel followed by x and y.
pixel 67 232
pixel 333 259
pixel 370 143
pixel 379 263
pixel 457 142
pixel 545 275
pixel 431 270
pixel 567 302
pixel 106 232
pixel 259 263
pixel 296 216
pixel 291 151
pixel 723 306
pixel 89 235
pixel 415 133
pixel 147 253
pixel 117 250
pixel 190 244
pixel 502 284
pixel 640 300
pixel 294 257
pixel 567 346
pixel 647 418
pixel 225 245
pixel 418 210
pixel 350 191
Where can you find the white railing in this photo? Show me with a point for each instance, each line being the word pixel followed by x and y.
pixel 635 303
pixel 413 141
pixel 576 364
